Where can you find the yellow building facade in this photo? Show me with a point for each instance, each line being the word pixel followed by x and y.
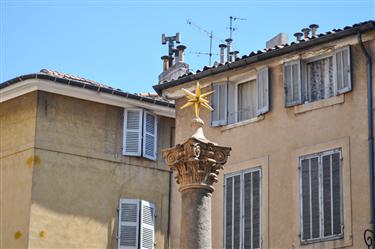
pixel 64 167
pixel 296 119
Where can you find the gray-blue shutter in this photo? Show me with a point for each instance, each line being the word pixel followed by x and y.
pixel 219 104
pixel 336 194
pixel 292 83
pixel 343 70
pixel 256 209
pixel 305 199
pixel 228 212
pixel 262 91
pixel 232 116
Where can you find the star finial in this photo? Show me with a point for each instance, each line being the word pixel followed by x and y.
pixel 197 99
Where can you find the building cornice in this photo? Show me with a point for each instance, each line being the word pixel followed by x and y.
pixel 119 99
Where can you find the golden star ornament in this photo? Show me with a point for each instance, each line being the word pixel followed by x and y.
pixel 197 99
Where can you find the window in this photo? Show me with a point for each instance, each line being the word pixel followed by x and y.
pixel 242 225
pixel 140 133
pixel 318 78
pixel 321 196
pixel 234 102
pixel 136 228
pixel 246 100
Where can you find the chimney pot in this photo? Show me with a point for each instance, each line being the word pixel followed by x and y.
pixel 235 53
pixel 165 59
pixel 181 49
pixel 222 53
pixel 314 28
pixel 298 36
pixel 229 49
pixel 306 32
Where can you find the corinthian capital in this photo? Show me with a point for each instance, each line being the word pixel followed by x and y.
pixel 197 163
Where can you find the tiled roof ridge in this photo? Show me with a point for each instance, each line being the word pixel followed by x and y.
pixel 73 77
pixel 73 80
pixel 277 47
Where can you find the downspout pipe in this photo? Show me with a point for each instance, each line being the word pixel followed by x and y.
pixel 370 129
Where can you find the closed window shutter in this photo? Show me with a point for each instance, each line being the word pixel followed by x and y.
pixel 149 135
pixel 256 209
pixel 315 204
pixel 132 132
pixel 232 115
pixel 128 224
pixel 343 73
pixel 233 212
pixel 292 83
pixel 336 194
pixel 219 104
pixel 262 92
pixel 237 211
pixel 321 196
pixel 248 210
pixel 332 194
pixel 147 238
pixel 228 232
pixel 305 199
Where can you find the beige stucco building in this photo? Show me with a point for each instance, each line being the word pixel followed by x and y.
pixel 295 117
pixel 73 150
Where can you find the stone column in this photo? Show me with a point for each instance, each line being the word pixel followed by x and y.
pixel 197 163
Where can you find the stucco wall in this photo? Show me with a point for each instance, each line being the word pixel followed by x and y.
pixel 17 134
pixel 277 140
pixel 82 175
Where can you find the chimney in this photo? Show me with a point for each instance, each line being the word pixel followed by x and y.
pixel 298 36
pixel 306 32
pixel 165 59
pixel 181 49
pixel 279 39
pixel 314 28
pixel 229 49
pixel 234 55
pixel 173 63
pixel 222 53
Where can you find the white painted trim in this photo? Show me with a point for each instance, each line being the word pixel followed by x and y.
pixel 32 85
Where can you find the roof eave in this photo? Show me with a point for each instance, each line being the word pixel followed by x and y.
pixel 256 58
pixel 76 83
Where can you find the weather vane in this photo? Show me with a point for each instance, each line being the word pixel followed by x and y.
pixel 197 100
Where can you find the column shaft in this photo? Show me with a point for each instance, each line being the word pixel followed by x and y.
pixel 195 219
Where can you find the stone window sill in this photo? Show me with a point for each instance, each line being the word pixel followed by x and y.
pixel 242 123
pixel 298 109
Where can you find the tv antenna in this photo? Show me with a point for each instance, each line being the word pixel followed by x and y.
pixel 209 34
pixel 231 28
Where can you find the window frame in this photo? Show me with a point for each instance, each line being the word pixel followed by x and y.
pixel 237 83
pixel 321 238
pixel 139 223
pixel 241 173
pixel 142 132
pixel 304 84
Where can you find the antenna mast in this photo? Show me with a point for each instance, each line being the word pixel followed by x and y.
pixel 231 28
pixel 209 34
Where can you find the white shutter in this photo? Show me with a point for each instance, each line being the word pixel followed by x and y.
pixel 132 132
pixel 219 104
pixel 262 92
pixel 292 83
pixel 147 238
pixel 343 74
pixel 150 135
pixel 128 224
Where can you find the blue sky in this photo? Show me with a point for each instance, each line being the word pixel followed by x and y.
pixel 119 42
